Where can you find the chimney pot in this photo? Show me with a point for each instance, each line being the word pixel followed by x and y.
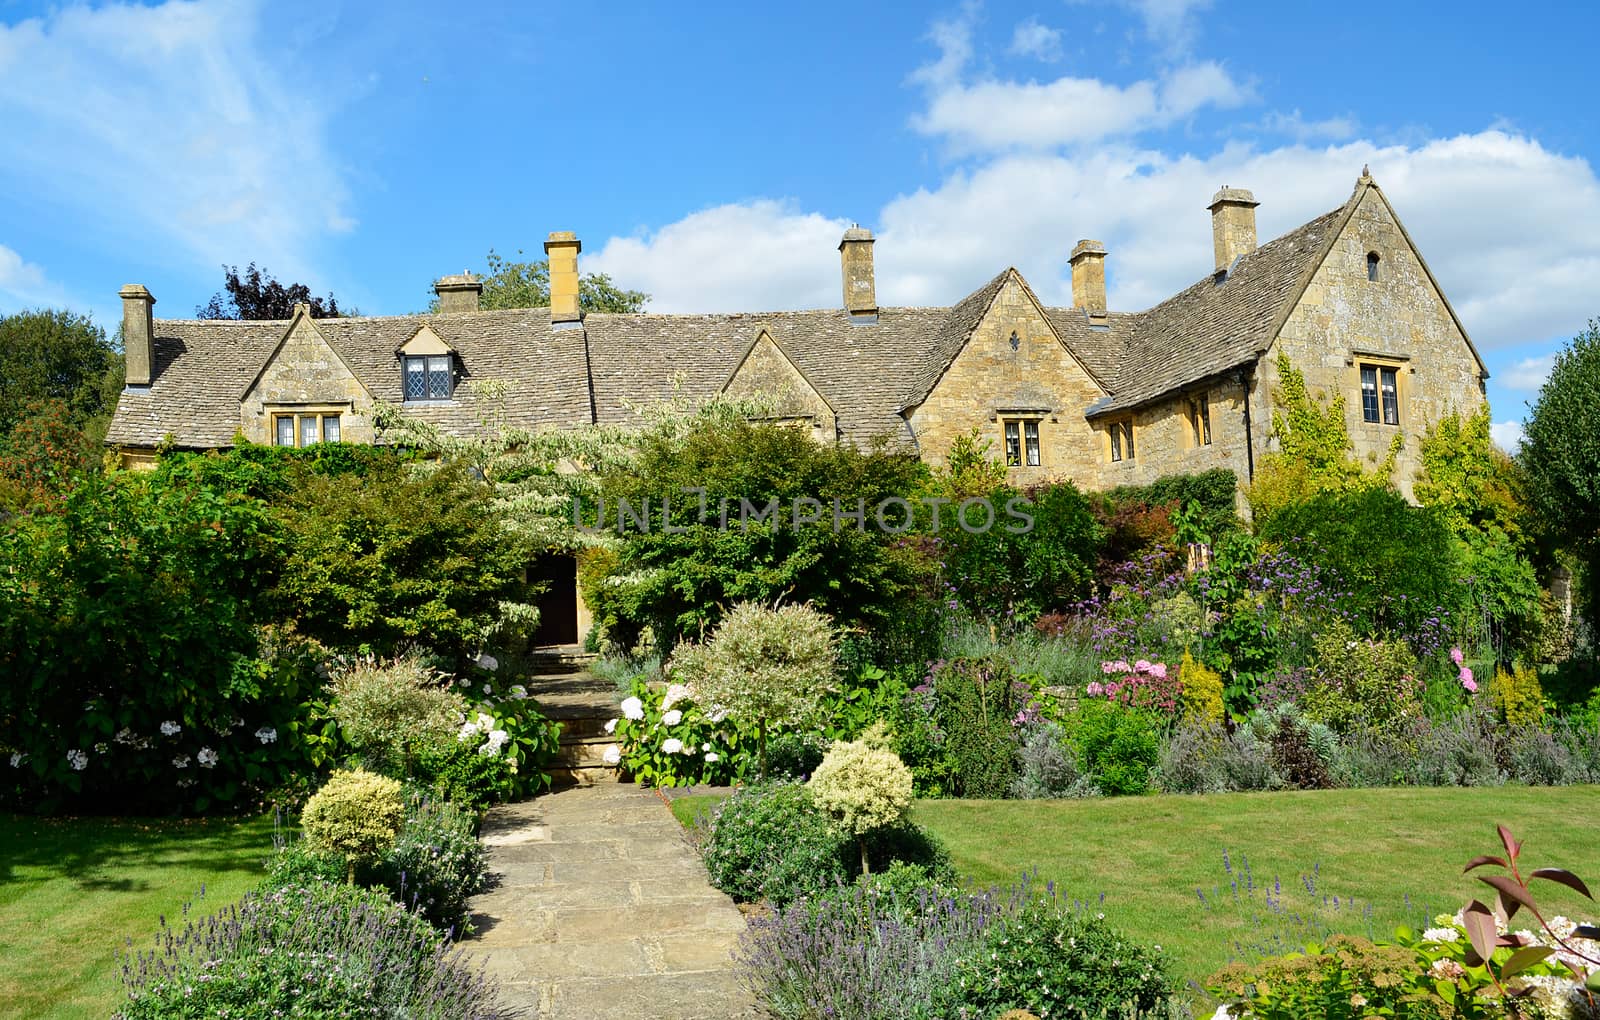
pixel 138 334
pixel 855 264
pixel 1233 225
pixel 1088 261
pixel 458 293
pixel 562 250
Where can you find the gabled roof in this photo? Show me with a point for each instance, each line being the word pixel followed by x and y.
pixel 953 335
pixel 763 333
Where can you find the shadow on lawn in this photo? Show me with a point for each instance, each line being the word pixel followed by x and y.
pixel 111 855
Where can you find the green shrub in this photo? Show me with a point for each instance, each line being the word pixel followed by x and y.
pixel 1200 692
pixel 1361 680
pixel 1117 746
pixel 1518 695
pixel 319 950
pixel 863 788
pixel 458 772
pixel 1056 961
pixel 771 842
pixel 1214 493
pixel 355 815
pixel 957 732
pixel 392 712
pixel 297 863
pixel 435 865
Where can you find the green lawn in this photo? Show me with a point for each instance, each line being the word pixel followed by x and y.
pixel 73 890
pixel 1150 855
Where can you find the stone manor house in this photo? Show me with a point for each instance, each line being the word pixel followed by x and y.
pixel 1101 397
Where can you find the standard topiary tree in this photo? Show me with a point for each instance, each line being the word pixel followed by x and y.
pixel 356 815
pixel 865 787
pixel 392 712
pixel 769 667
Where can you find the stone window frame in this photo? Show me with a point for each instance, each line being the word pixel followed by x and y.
pixel 427 373
pixel 1120 441
pixel 1381 365
pixel 1374 265
pixel 1022 440
pixel 1198 413
pixel 320 415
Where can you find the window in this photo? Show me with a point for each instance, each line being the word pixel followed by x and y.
pixel 1022 442
pixel 1372 265
pixel 1380 394
pixel 427 377
pixel 305 426
pixel 1200 419
pixel 1122 440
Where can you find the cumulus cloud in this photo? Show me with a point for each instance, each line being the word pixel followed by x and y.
pixel 170 125
pixel 1507 435
pixel 1527 375
pixel 1032 39
pixel 1294 125
pixel 24 284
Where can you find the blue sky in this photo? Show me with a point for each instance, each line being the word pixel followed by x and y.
pixel 711 153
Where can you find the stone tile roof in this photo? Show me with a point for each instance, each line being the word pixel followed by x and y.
pixel 870 372
pixel 1222 322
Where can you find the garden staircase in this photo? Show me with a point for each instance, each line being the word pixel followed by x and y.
pixel 582 703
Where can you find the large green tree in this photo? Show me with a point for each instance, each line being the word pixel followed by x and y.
pixel 1561 455
pixel 48 356
pixel 510 283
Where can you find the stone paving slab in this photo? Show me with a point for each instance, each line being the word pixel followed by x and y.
pixel 600 908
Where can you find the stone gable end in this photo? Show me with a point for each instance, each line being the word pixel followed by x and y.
pixel 767 372
pixel 1398 320
pixel 304 372
pixel 989 381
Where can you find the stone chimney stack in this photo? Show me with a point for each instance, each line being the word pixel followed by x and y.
pixel 562 250
pixel 1233 224
pixel 138 332
pixel 855 263
pixel 1088 263
pixel 458 293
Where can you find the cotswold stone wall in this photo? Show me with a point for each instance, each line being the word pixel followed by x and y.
pixel 1397 320
pixel 306 373
pixel 767 372
pixel 1164 441
pixel 988 379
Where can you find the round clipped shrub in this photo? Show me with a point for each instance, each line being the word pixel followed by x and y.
pixel 863 788
pixel 355 815
pixel 772 842
pixel 392 712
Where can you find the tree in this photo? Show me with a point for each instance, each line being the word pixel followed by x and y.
pixel 1561 455
pixel 61 356
pixel 256 295
pixel 511 284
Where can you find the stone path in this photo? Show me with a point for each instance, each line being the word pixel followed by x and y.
pixel 602 909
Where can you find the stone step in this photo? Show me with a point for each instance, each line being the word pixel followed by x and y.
pixel 585 726
pixel 582 751
pixel 565 777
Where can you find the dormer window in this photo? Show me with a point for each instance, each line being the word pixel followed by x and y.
pixel 427 377
pixel 1372 265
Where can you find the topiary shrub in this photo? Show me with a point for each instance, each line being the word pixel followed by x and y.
pixel 392 712
pixel 863 788
pixel 355 815
pixel 1200 692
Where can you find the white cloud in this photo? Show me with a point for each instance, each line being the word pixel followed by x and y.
pixel 1039 41
pixel 1507 435
pixel 1170 24
pixel 1529 374
pixel 24 284
pixel 172 127
pixel 1294 125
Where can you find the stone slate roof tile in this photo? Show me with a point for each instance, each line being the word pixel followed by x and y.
pixel 962 318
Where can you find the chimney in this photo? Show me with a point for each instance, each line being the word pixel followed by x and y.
pixel 138 330
pixel 1089 276
pixel 1233 224
pixel 458 293
pixel 855 263
pixel 562 250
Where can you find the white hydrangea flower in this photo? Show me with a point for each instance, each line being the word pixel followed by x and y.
pixel 672 745
pixel 675 693
pixel 1441 935
pixel 711 756
pixel 207 758
pixel 706 746
pixel 519 692
pixel 488 662
pixel 612 755
pixel 170 729
pixel 488 688
pixel 485 722
pixel 266 734
pixel 78 760
pixel 102 747
pixel 17 758
pixel 633 708
pixel 181 762
pixel 497 740
pixel 611 725
pixel 672 718
pixel 467 732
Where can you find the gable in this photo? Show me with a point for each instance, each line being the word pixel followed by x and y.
pixel 766 370
pixel 304 369
pixel 425 341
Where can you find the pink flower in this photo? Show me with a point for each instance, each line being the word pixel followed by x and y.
pixel 1094 690
pixel 1142 666
pixel 1455 656
pixel 1467 681
pixel 1158 670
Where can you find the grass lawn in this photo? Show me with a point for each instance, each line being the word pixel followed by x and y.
pixel 1150 855
pixel 72 890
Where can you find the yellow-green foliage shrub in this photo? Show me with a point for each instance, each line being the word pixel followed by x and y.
pixel 1200 691
pixel 863 788
pixel 391 712
pixel 1361 680
pixel 356 815
pixel 1518 695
